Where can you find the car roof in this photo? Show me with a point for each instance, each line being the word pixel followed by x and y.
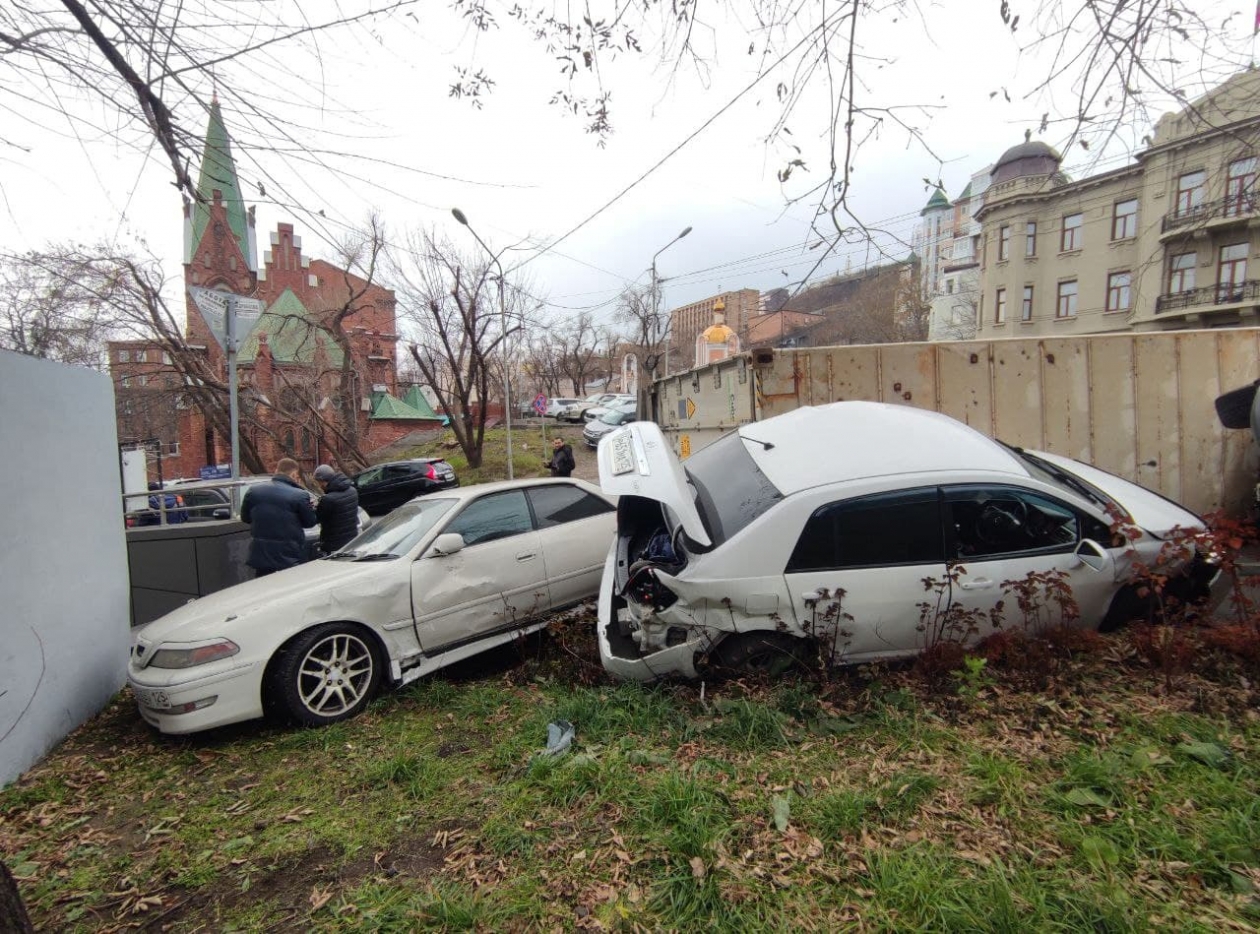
pixel 814 445
pixel 467 492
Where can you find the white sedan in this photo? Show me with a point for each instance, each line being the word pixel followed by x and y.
pixel 820 527
pixel 441 578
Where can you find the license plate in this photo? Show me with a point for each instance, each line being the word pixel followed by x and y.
pixel 622 454
pixel 155 699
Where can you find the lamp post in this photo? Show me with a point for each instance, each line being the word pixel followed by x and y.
pixel 655 310
pixel 507 380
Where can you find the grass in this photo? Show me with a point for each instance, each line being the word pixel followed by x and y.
pixel 1104 803
pixel 529 451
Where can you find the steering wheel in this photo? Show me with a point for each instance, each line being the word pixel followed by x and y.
pixel 1001 522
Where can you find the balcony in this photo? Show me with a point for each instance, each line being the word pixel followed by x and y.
pixel 1234 208
pixel 1209 297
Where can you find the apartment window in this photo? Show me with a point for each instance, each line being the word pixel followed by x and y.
pixel 1067 300
pixel 1073 237
pixel 999 307
pixel 1026 309
pixel 142 380
pixel 1124 220
pixel 166 358
pixel 1181 272
pixel 1030 238
pixel 1231 273
pixel 1119 291
pixel 126 381
pixel 949 286
pixel 124 356
pixel 1240 184
pixel 1190 189
pixel 1004 243
pixel 141 356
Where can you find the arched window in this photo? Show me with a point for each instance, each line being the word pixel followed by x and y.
pixel 288 441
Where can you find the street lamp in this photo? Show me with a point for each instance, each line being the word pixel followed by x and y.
pixel 655 311
pixel 507 380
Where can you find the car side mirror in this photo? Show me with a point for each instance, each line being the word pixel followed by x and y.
pixel 1094 555
pixel 224 513
pixel 448 543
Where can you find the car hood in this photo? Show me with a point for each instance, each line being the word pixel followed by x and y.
pixel 307 591
pixel 1151 511
pixel 636 460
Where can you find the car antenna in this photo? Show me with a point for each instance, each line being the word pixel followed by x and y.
pixel 765 445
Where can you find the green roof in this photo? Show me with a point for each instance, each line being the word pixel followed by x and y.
pixel 966 193
pixel 415 398
pixel 938 200
pixel 291 334
pixel 389 407
pixel 218 170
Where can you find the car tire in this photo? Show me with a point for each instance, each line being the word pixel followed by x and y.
pixel 767 654
pixel 324 674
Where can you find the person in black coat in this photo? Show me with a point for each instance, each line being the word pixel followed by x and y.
pixel 561 462
pixel 337 510
pixel 277 512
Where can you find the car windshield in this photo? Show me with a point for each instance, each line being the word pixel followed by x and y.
pixel 731 491
pixel 1063 479
pixel 616 416
pixel 397 533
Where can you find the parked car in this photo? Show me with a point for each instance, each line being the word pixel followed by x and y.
pixel 558 405
pixel 597 430
pixel 826 521
pixel 619 401
pixel 575 412
pixel 440 579
pixel 387 486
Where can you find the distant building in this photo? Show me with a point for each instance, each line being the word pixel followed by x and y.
pixel 291 367
pixel 947 240
pixel 717 341
pixel 687 321
pixel 1169 241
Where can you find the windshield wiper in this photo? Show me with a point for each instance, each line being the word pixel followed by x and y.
pixel 378 556
pixel 343 554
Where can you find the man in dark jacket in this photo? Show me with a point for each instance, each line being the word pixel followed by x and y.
pixel 561 462
pixel 277 512
pixel 338 509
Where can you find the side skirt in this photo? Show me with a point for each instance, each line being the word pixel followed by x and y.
pixel 429 664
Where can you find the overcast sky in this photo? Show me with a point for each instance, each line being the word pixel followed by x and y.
pixel 526 174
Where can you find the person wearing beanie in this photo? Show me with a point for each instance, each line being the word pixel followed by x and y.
pixel 337 510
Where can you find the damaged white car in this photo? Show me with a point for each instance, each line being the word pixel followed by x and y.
pixel 441 578
pixel 825 522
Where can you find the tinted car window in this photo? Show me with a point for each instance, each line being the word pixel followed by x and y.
pixel 496 516
pixel 368 476
pixel 561 503
pixel 886 530
pixel 986 521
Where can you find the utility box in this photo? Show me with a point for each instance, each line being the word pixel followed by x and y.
pixel 172 564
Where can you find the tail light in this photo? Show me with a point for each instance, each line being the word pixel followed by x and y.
pixel 431 473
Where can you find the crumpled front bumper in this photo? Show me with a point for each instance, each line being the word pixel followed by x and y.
pixel 624 661
pixel 161 692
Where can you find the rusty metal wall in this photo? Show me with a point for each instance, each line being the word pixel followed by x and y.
pixel 1136 404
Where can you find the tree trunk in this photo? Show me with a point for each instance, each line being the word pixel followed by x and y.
pixel 13 916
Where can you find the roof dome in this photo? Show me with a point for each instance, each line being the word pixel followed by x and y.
pixel 717 334
pixel 1031 157
pixel 938 200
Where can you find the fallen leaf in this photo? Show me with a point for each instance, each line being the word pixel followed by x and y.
pixel 319 897
pixel 698 869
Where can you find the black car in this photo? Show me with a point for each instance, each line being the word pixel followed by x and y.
pixel 386 486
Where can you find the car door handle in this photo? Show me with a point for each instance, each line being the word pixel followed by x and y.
pixel 980 583
pixel 527 556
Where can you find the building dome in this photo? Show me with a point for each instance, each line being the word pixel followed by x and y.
pixel 717 334
pixel 1031 157
pixel 937 201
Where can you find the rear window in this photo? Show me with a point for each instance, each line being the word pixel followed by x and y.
pixel 731 491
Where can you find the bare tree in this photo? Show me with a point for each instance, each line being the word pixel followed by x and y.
pixel 46 311
pixel 452 302
pixel 577 345
pixel 640 311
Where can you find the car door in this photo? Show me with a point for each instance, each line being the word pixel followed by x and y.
pixel 856 574
pixel 575 528
pixel 1006 540
pixel 497 581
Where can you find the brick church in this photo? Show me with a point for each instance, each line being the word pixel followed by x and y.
pixel 291 368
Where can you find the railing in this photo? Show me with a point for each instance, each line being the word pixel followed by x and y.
pixel 166 506
pixel 1240 205
pixel 1226 294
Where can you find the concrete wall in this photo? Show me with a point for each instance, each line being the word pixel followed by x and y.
pixel 64 631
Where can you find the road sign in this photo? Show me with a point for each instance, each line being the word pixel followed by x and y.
pixel 213 307
pixel 686 408
pixel 540 404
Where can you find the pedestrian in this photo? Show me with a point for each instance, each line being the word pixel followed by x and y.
pixel 277 512
pixel 561 462
pixel 337 510
pixel 168 508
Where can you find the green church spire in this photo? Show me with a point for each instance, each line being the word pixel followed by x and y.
pixel 218 171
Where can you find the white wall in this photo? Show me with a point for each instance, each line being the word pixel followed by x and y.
pixel 64 627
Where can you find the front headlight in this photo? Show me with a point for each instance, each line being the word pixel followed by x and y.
pixel 166 657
